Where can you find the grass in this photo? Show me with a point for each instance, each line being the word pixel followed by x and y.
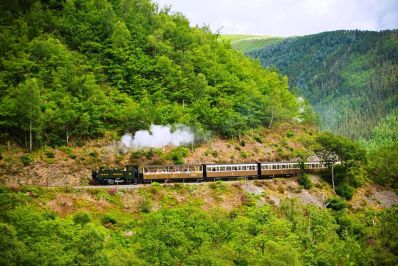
pixel 246 43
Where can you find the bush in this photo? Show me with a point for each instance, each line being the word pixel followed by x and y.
pixel 50 154
pixel 218 186
pixel 345 190
pixel 108 219
pixel 244 154
pixel 336 203
pixel 305 181
pixel 178 154
pixel 258 139
pixel 155 188
pixel 26 160
pixel 145 205
pixel 81 218
pixel 149 154
pixel 290 134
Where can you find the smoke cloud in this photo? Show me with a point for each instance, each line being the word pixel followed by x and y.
pixel 159 136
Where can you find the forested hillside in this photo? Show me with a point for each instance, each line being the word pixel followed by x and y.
pixel 71 70
pixel 252 223
pixel 349 77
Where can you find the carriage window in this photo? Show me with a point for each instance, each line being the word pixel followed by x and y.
pixel 228 168
pixel 222 168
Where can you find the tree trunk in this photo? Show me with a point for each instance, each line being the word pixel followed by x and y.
pixel 67 136
pixel 272 118
pixel 334 191
pixel 30 134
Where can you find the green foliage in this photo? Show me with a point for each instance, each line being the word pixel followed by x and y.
pixel 26 160
pixel 290 134
pixel 81 218
pixel 305 181
pixel 345 190
pixel 258 139
pixel 383 165
pixel 289 234
pixel 336 203
pixel 50 154
pixel 145 205
pixel 177 155
pixel 13 251
pixel 108 219
pixel 348 76
pixel 70 71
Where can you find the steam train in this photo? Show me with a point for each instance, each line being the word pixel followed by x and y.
pixel 134 174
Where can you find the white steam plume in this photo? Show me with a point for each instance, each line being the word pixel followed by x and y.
pixel 159 136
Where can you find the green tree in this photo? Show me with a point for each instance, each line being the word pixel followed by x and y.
pixel 28 101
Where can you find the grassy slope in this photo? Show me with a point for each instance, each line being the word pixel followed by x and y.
pixel 248 42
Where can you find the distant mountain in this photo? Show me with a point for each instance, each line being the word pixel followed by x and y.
pixel 350 77
pixel 246 43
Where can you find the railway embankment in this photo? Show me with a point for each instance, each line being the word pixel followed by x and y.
pixel 72 166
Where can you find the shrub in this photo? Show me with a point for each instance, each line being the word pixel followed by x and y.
pixel 149 154
pixel 218 186
pixel 93 154
pixel 258 139
pixel 336 203
pixel 50 154
pixel 244 154
pixel 81 218
pixel 108 219
pixel 281 189
pixel 26 160
pixel 155 188
pixel 248 200
pixel 305 181
pixel 345 190
pixel 178 154
pixel 145 205
pixel 290 134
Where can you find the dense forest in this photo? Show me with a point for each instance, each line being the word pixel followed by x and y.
pixel 349 77
pixel 153 226
pixel 71 70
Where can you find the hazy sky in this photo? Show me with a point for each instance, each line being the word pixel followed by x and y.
pixel 288 17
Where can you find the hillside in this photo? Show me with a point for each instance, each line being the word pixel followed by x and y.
pixel 349 77
pixel 72 165
pixel 246 43
pixel 267 222
pixel 73 70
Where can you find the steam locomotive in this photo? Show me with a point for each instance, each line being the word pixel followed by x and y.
pixel 134 174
